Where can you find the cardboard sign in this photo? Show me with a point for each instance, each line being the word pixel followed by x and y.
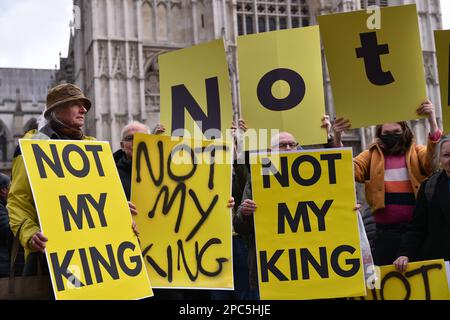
pixel 91 251
pixel 442 39
pixel 424 280
pixel 181 190
pixel 306 229
pixel 195 91
pixel 376 74
pixel 281 84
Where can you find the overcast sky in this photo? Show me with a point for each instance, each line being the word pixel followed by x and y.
pixel 33 32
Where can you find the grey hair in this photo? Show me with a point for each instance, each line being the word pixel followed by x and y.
pixel 131 124
pixel 444 139
pixel 44 120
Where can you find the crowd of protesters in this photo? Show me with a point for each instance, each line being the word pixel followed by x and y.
pixel 407 189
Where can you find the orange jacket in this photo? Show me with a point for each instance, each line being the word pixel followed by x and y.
pixel 369 169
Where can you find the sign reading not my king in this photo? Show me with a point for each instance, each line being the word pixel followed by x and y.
pixel 92 252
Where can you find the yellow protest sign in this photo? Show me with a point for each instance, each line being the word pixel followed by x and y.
pixel 195 91
pixel 305 227
pixel 442 39
pixel 424 280
pixel 375 64
pixel 181 189
pixel 92 251
pixel 283 88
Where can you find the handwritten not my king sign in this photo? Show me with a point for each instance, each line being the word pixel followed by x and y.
pixel 181 191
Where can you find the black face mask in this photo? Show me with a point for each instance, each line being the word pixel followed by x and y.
pixel 390 140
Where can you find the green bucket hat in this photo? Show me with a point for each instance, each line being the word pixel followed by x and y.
pixel 63 93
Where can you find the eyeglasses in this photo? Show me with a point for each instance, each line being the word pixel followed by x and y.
pixel 292 145
pixel 128 138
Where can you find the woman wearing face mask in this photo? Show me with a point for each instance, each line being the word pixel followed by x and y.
pixel 392 170
pixel 428 235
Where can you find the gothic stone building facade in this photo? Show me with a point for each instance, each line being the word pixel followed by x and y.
pixel 23 94
pixel 113 54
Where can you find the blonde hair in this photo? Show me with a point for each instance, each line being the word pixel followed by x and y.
pixel 444 139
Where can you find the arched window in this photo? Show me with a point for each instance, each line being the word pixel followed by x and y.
pixel 367 3
pixel 152 86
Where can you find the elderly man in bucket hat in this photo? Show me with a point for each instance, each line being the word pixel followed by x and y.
pixel 64 115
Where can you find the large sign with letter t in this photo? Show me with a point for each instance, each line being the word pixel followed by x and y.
pixel 376 71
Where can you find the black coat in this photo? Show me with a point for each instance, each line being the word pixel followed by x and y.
pixel 370 226
pixel 5 235
pixel 428 234
pixel 124 168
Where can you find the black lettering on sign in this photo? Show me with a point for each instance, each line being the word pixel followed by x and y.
pixel 109 265
pixel 321 268
pixel 182 101
pixel 82 209
pixel 354 263
pixel 267 266
pixel 293 264
pixel 85 265
pixel 95 149
pixel 41 156
pixel 281 175
pixel 99 263
pixel 55 163
pixel 191 275
pixel 181 178
pixel 212 150
pixel 136 259
pixel 317 170
pixel 404 279
pixel 398 275
pixel 296 93
pixel 143 151
pixel 220 261
pixel 204 213
pixel 62 270
pixel 423 270
pixel 84 171
pixel 198 265
pixel 168 203
pixel 370 51
pixel 153 263
pixel 331 159
pixel 284 215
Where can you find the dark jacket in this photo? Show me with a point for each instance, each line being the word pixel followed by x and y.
pixel 369 226
pixel 244 225
pixel 124 165
pixel 428 234
pixel 5 234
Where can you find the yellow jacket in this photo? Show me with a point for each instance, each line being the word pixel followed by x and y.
pixel 369 169
pixel 21 207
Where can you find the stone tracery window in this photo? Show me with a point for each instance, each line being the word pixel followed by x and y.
pixel 380 3
pixel 255 16
pixel 152 87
